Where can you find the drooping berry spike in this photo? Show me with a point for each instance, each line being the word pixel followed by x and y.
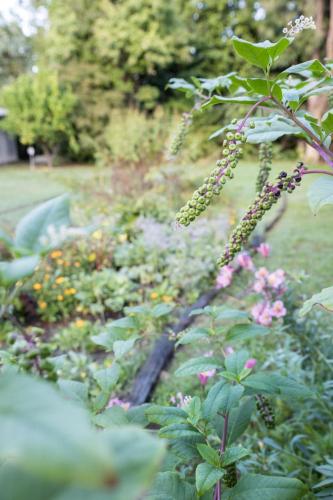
pixel 230 476
pixel 263 203
pixel 181 133
pixel 213 184
pixel 266 411
pixel 265 159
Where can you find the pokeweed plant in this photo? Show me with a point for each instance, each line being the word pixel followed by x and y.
pixel 281 100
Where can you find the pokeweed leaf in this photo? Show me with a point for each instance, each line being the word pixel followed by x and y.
pixel 255 486
pixel 320 193
pixel 17 269
pixel 323 299
pixel 261 54
pixel 206 476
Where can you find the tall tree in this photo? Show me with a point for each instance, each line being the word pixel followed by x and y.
pixel 15 51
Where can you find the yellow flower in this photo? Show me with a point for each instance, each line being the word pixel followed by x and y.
pixel 46 277
pixel 80 323
pixel 77 264
pixel 37 286
pixel 83 375
pixel 70 291
pixel 122 238
pixel 167 298
pixel 97 235
pixel 154 295
pixel 60 298
pixel 92 257
pixel 60 280
pixel 60 262
pixel 55 254
pixel 42 304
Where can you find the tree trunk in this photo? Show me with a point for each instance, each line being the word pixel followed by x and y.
pixel 317 104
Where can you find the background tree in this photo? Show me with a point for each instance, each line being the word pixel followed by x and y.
pixel 39 111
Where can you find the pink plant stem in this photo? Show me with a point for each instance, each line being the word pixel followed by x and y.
pixel 317 172
pixel 324 154
pixel 250 111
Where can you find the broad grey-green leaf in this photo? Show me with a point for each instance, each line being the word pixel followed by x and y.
pixel 193 335
pixel 327 122
pixel 165 415
pixel 233 454
pixel 161 310
pixel 246 331
pixel 73 390
pixel 257 486
pixel 273 383
pixel 35 225
pixel 307 68
pixel 261 54
pixel 270 129
pixel 323 299
pixel 221 398
pixel 235 362
pixel 107 377
pixel 17 269
pixel 239 419
pixel 123 347
pixel 320 193
pixel 170 486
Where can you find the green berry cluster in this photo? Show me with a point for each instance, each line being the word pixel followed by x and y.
pixel 265 159
pixel 230 476
pixel 181 133
pixel 262 204
pixel 30 354
pixel 213 184
pixel 266 411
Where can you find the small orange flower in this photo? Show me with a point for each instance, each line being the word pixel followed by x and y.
pixel 77 264
pixel 80 323
pixel 37 286
pixel 60 280
pixel 70 291
pixel 55 254
pixel 154 295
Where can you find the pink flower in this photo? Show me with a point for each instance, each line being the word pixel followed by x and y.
pixel 278 310
pixel 258 286
pixel 262 273
pixel 228 350
pixel 264 249
pixel 262 314
pixel 245 261
pixel 251 363
pixel 205 376
pixel 224 277
pixel 118 402
pixel 276 279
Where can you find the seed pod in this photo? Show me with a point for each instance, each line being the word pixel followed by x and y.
pixel 265 158
pixel 230 476
pixel 266 411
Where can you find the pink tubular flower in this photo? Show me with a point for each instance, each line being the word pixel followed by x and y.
pixel 278 310
pixel 261 313
pixel 118 402
pixel 251 363
pixel 262 273
pixel 259 286
pixel 264 249
pixel 228 350
pixel 245 261
pixel 276 279
pixel 224 277
pixel 205 376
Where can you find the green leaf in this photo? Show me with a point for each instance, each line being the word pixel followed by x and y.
pixel 239 419
pixel 307 69
pixel 216 100
pixel 323 299
pixel 116 415
pixel 165 415
pixel 327 122
pixel 270 129
pixel 221 398
pixel 231 315
pixel 177 431
pixel 262 54
pixel 198 365
pixel 321 193
pixel 17 269
pixel 193 410
pixel 123 347
pixel 107 377
pixel 246 331
pixel 235 362
pixel 206 476
pixel 233 454
pixel 256 486
pixel 6 239
pixel 272 383
pixel 170 486
pixel 73 390
pixel 259 85
pixel 209 454
pixel 161 310
pixel 34 226
pixel 193 335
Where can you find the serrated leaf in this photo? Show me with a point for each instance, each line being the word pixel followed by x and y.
pixel 180 431
pixel 323 299
pixel 320 193
pixel 255 486
pixel 272 383
pixel 209 454
pixel 198 365
pixel 206 476
pixel 246 331
pixel 193 335
pixel 233 454
pixel 165 415
pixel 235 362
pixel 221 398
